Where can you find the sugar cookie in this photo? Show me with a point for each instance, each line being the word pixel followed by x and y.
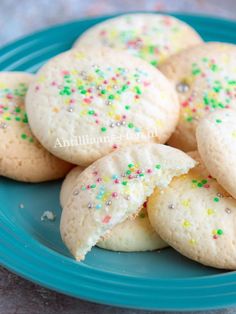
pixel 21 156
pixel 152 37
pixel 114 188
pixel 205 78
pixel 85 104
pixel 131 235
pixel 216 138
pixel 197 217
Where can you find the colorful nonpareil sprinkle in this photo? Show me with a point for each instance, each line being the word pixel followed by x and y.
pixel 109 189
pixel 12 108
pixel 153 38
pixel 219 91
pixel 116 90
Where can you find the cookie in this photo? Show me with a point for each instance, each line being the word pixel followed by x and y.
pixel 205 79
pixel 197 217
pixel 85 104
pixel 113 189
pixel 130 236
pixel 21 156
pixel 152 37
pixel 218 148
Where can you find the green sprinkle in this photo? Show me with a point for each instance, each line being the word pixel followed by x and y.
pixel 189 119
pixel 93 186
pixel 128 172
pixel 216 199
pixel 130 165
pixel 17 109
pixel 194 181
pixel 218 121
pixel 31 140
pixel 158 166
pixel 138 90
pixel 204 181
pixel 103 129
pixel 83 91
pixel 199 184
pixel 127 107
pixel 8 118
pixel 220 232
pixel 103 91
pixel 124 182
pixel 130 125
pixel 111 97
pixel 154 63
pixel 5 108
pixel 196 71
pixel 23 136
pixel 17 118
pixel 141 175
pixel 91 112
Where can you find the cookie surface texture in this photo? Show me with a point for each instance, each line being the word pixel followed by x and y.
pixel 197 217
pixel 205 79
pixel 152 37
pixel 132 235
pixel 218 148
pixel 85 104
pixel 21 156
pixel 115 188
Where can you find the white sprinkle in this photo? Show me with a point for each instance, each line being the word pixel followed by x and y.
pixel 48 215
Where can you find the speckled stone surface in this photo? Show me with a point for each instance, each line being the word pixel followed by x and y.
pixel 17 18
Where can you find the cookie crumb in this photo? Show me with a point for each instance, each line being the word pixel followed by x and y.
pixel 48 215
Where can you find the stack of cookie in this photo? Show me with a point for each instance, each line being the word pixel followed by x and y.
pixel 144 109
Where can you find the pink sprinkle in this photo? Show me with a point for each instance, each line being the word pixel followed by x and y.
pixel 136 97
pixel 149 171
pixel 207 108
pixel 73 90
pixel 146 83
pixel 105 82
pixel 227 106
pixel 128 83
pixel 206 186
pixel 97 121
pixel 72 101
pixel 54 83
pixel 99 180
pixel 103 32
pixel 87 100
pixel 115 146
pixel 89 90
pixel 145 204
pixel 9 96
pixel 65 72
pixel 106 219
pixel 130 176
pixel 1 111
pixel 194 110
pixel 124 117
pixel 114 194
pixel 37 88
pixel 215 237
pixel 95 173
pixel 117 181
pixel 88 187
pixel 138 171
pixel 185 104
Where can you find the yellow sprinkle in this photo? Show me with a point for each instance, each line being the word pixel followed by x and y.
pixel 55 109
pixel 79 55
pixel 74 72
pixel 41 78
pixel 210 211
pixel 234 134
pixel 159 123
pixel 214 232
pixel 106 179
pixel 185 203
pixel 192 241
pixel 3 85
pixel 186 224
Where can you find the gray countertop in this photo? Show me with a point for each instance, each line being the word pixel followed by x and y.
pixel 18 18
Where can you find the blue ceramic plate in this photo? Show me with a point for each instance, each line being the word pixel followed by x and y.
pixel 33 248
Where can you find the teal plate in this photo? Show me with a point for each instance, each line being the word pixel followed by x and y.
pixel 33 248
